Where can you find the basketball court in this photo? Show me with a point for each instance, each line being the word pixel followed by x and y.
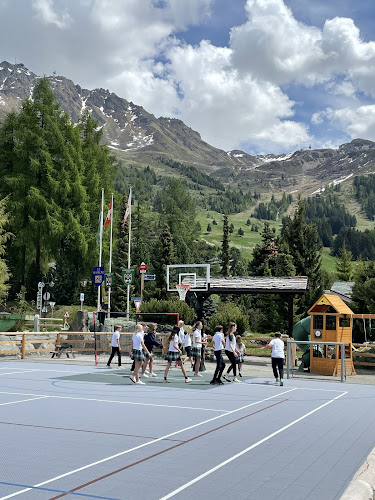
pixel 77 431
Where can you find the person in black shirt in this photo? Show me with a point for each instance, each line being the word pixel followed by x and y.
pixel 150 342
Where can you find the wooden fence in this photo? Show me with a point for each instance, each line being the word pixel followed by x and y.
pixel 84 342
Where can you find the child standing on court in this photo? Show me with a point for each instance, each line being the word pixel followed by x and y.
pixel 230 351
pixel 116 348
pixel 173 354
pixel 150 342
pixel 241 351
pixel 197 347
pixel 277 357
pixel 138 350
pixel 218 344
pixel 187 345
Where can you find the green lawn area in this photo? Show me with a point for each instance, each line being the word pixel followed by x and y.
pixel 247 242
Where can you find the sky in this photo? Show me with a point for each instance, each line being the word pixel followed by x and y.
pixel 264 76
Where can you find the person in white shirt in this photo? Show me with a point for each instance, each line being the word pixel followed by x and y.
pixel 197 347
pixel 181 335
pixel 138 349
pixel 230 351
pixel 277 357
pixel 241 351
pixel 173 354
pixel 218 345
pixel 115 344
pixel 187 346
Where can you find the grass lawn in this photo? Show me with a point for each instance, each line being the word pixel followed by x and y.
pixel 247 242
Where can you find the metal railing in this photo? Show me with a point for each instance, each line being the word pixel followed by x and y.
pixel 314 342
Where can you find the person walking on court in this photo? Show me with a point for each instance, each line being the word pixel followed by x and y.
pixel 150 342
pixel 173 354
pixel 277 357
pixel 218 344
pixel 115 344
pixel 197 347
pixel 187 346
pixel 181 334
pixel 230 351
pixel 138 351
pixel 241 351
pixel 143 334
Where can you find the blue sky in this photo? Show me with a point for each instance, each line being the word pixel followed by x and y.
pixel 260 75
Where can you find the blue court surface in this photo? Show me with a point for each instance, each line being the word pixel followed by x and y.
pixel 70 431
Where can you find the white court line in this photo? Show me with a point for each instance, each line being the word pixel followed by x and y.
pixel 298 388
pixel 23 400
pixel 246 450
pixel 119 402
pixel 142 445
pixel 23 371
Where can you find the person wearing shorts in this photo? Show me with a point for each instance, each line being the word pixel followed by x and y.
pixel 138 351
pixel 150 342
pixel 173 354
pixel 196 351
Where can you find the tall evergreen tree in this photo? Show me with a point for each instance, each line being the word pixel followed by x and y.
pixel 165 253
pixel 304 245
pixel 224 261
pixel 344 266
pixel 4 236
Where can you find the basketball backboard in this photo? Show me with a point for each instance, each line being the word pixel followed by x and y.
pixel 195 275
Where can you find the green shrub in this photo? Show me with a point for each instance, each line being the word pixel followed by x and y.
pixel 229 312
pixel 187 314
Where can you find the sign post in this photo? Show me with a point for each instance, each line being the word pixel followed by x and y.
pixel 81 298
pixel 108 279
pixel 142 270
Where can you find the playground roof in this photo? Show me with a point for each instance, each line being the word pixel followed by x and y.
pixel 258 284
pixel 333 300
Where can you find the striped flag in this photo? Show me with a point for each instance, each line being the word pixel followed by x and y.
pixel 109 215
pixel 128 209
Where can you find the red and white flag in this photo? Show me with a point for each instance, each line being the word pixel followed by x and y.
pixel 109 215
pixel 128 209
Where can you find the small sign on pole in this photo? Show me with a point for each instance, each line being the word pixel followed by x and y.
pixel 128 276
pixel 108 279
pixel 98 275
pixel 143 268
pixel 150 277
pixel 137 303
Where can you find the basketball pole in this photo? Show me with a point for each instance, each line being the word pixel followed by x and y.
pixel 130 232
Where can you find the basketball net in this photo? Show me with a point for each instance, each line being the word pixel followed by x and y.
pixel 182 290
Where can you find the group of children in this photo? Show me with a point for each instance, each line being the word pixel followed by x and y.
pixel 235 350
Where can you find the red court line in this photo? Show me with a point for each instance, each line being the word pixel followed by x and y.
pixel 164 451
pixel 87 430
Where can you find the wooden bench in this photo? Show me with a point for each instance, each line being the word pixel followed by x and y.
pixel 60 349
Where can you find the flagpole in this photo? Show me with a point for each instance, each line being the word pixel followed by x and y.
pixel 130 231
pixel 110 262
pixel 100 246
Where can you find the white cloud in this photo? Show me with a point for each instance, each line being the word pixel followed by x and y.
pixel 356 122
pixel 229 108
pixel 46 13
pixel 273 45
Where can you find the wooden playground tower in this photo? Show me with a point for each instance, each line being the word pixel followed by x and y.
pixel 332 321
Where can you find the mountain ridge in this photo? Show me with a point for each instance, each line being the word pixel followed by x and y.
pixel 138 137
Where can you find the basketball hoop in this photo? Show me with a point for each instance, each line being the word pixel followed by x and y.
pixel 182 290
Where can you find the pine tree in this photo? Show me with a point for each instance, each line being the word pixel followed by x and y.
pixel 344 266
pixel 301 237
pixel 164 251
pixel 225 248
pixel 4 236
